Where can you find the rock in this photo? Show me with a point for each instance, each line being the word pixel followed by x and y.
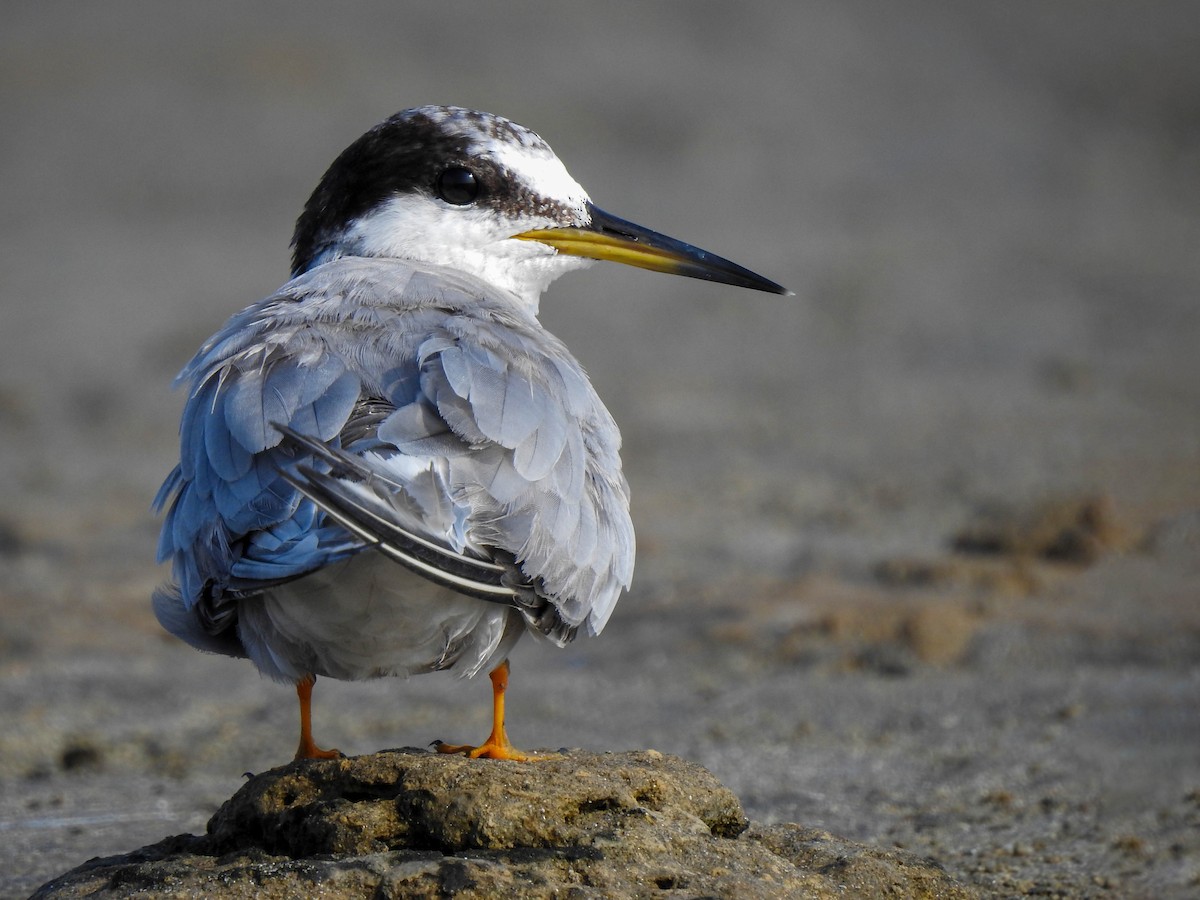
pixel 1074 530
pixel 939 633
pixel 410 823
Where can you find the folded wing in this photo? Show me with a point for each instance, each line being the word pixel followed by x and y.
pixel 365 407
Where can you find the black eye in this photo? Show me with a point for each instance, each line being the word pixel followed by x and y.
pixel 458 186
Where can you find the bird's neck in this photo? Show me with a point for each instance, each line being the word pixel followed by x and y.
pixel 521 268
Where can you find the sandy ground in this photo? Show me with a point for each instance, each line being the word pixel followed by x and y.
pixel 919 549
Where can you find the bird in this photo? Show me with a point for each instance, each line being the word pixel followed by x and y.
pixel 388 466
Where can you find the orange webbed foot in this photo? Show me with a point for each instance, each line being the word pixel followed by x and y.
pixel 490 749
pixel 497 745
pixel 311 751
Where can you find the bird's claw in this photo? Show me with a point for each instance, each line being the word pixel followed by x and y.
pixel 312 751
pixel 489 750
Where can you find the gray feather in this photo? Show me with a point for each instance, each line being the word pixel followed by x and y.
pixel 446 416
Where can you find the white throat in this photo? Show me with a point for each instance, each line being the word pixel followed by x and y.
pixel 476 241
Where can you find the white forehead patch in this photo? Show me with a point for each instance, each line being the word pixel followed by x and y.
pixel 522 151
pixel 514 147
pixel 541 170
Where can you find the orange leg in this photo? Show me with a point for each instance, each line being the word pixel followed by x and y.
pixel 308 748
pixel 497 745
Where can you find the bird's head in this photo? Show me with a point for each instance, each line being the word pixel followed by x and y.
pixel 478 193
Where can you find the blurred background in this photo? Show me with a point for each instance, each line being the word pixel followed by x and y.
pixel 919 548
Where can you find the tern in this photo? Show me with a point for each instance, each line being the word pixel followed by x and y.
pixel 388 466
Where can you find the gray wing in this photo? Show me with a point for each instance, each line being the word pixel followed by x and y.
pixel 458 436
pixel 403 507
pixel 526 453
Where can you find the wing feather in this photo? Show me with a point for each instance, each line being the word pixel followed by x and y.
pixel 482 452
